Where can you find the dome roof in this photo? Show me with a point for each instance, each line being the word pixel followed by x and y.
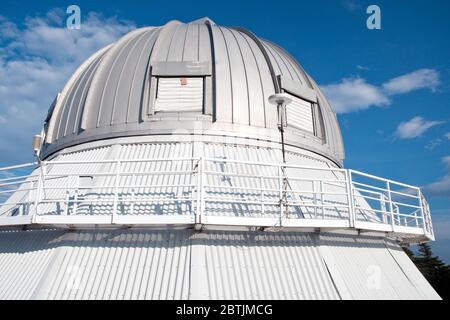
pixel 113 93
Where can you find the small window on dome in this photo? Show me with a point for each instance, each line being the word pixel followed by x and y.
pixel 299 114
pixel 179 94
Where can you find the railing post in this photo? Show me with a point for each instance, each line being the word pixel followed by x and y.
pixel 314 198
pixel 132 202
pixel 116 192
pixel 75 196
pixel 66 208
pixel 261 183
pixel 30 201
pixel 280 186
pixel 391 209
pixel 430 222
pixel 203 190
pixel 350 198
pixel 200 190
pixel 322 202
pixel 422 211
pixel 383 207
pixel 40 186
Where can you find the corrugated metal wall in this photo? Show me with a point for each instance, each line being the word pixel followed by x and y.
pixel 367 269
pixel 278 266
pixel 25 257
pixel 170 264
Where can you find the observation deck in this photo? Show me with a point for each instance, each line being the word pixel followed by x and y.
pixel 209 193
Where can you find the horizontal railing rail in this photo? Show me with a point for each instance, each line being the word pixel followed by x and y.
pixel 210 191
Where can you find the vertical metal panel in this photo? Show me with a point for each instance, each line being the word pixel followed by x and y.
pixel 136 98
pixel 94 114
pixel 411 272
pixel 270 112
pixel 239 85
pixel 179 95
pixel 205 51
pixel 224 91
pixel 122 88
pixel 62 102
pixel 164 41
pixel 299 114
pixel 75 101
pixel 243 266
pixel 204 44
pixel 294 68
pixel 255 89
pixel 368 269
pixel 178 43
pixel 24 259
pixel 191 44
pixel 279 67
pixel 114 76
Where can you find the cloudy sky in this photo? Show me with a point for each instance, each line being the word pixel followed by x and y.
pixel 390 87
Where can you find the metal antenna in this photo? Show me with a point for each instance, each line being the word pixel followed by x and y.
pixel 281 100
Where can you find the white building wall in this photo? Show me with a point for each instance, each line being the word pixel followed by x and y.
pixel 151 264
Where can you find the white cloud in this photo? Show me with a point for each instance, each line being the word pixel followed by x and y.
pixel 7 28
pixel 360 67
pixel 414 127
pixel 352 94
pixel 447 135
pixel 351 5
pixel 441 187
pixel 37 59
pixel 446 161
pixel 433 144
pixel 355 93
pixel 420 79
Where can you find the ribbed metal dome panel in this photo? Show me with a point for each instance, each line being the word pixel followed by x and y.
pixel 109 95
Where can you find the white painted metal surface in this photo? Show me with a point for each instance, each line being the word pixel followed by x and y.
pixel 179 95
pixel 299 114
pixel 211 191
pixel 364 263
pixel 113 93
pixel 183 264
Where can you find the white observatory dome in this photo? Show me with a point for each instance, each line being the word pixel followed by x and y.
pixel 164 172
pixel 195 78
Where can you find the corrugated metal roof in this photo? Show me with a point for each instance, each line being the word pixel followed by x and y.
pixel 171 264
pixel 112 93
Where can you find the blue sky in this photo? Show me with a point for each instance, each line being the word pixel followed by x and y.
pixel 397 124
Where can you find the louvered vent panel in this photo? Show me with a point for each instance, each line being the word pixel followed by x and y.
pixel 299 114
pixel 179 95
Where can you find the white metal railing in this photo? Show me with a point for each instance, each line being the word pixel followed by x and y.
pixel 210 191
